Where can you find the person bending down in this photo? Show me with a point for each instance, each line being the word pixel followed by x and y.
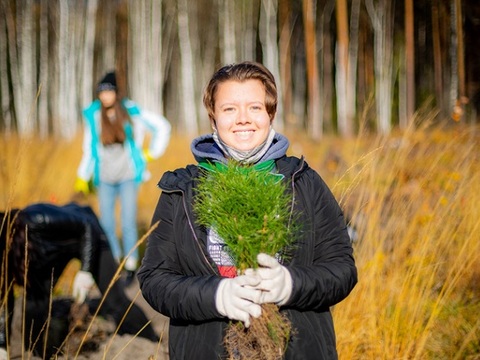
pixel 52 236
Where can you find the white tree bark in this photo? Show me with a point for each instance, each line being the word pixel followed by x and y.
pixel 28 70
pixel 146 58
pixel 227 23
pixel 88 53
pixel 22 62
pixel 137 12
pixel 65 122
pixel 382 19
pixel 43 115
pixel 248 22
pixel 187 71
pixel 268 33
pixel 346 79
pixel 4 90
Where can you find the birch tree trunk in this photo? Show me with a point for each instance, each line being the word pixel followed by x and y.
pixel 22 63
pixel 88 53
pixel 268 34
pixel 4 89
pixel 138 11
pixel 65 121
pixel 315 121
pixel 249 22
pixel 146 70
pixel 187 70
pixel 346 69
pixel 227 31
pixel 382 19
pixel 284 45
pixel 43 114
pixel 28 69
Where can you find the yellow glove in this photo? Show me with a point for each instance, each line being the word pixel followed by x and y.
pixel 147 155
pixel 81 186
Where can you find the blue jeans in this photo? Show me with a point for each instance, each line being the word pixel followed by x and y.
pixel 107 195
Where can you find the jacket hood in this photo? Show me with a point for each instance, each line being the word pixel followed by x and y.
pixel 179 179
pixel 204 149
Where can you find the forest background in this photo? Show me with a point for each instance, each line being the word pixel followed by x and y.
pixel 341 66
pixel 380 96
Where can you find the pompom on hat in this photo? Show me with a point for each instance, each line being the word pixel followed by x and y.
pixel 109 82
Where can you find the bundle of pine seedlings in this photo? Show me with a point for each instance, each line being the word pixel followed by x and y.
pixel 251 210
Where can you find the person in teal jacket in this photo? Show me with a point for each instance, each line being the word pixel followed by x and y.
pixel 114 160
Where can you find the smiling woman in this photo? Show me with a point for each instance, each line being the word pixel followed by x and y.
pixel 188 272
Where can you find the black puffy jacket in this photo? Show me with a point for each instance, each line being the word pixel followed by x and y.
pixel 179 279
pixel 61 233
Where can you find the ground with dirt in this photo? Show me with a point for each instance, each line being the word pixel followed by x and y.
pixel 101 342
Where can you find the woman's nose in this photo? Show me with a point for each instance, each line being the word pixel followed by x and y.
pixel 242 117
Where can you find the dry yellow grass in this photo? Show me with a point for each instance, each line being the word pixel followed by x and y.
pixel 413 198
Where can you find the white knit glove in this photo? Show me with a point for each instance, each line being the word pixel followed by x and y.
pixel 237 298
pixel 276 281
pixel 82 284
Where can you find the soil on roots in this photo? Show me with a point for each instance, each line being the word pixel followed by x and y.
pixel 71 328
pixel 265 339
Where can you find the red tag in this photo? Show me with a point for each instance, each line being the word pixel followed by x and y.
pixel 228 271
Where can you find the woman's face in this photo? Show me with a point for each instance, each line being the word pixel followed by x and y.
pixel 107 98
pixel 241 118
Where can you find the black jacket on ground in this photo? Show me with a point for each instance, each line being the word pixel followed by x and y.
pixel 179 279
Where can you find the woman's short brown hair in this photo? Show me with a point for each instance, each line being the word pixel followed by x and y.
pixel 243 71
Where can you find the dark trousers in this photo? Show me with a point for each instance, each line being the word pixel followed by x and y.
pixel 116 303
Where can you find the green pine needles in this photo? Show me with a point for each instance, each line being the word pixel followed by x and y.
pixel 249 208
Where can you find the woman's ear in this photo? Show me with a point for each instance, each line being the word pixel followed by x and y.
pixel 213 124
